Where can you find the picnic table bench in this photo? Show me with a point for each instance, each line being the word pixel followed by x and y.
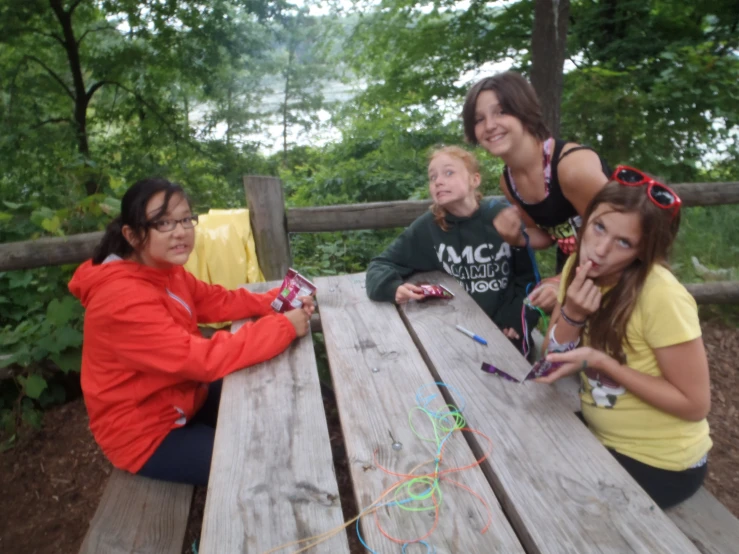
pixel 547 485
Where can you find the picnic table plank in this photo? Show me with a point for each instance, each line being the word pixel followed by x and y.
pixel 712 528
pixel 139 515
pixel 272 478
pixel 377 371
pixel 560 487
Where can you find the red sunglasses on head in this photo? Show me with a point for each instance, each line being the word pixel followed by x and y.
pixel 660 194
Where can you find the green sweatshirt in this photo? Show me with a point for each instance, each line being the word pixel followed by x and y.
pixel 491 271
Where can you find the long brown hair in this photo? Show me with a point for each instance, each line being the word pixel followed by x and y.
pixel 607 327
pixel 516 97
pixel 473 166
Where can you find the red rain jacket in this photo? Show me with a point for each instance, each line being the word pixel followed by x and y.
pixel 145 366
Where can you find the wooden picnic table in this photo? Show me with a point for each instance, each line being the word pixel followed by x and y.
pixel 546 486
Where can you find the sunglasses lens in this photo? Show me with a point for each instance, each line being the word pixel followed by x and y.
pixel 662 196
pixel 629 176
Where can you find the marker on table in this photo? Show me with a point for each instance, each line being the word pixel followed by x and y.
pixel 472 335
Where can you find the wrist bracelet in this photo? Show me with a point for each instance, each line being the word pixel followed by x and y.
pixel 569 321
pixel 555 346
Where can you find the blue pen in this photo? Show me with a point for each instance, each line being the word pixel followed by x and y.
pixel 472 335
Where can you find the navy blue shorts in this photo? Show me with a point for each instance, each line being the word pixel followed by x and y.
pixel 184 455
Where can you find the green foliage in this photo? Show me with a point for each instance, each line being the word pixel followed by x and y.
pixel 338 253
pixel 654 84
pixel 720 252
pixel 319 346
pixel 40 334
pixel 432 44
pixel 304 64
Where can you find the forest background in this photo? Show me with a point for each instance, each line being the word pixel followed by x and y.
pixel 341 101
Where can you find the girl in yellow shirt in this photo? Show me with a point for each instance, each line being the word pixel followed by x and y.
pixel 645 389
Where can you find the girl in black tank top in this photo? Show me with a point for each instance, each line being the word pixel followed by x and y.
pixel 502 114
pixel 555 214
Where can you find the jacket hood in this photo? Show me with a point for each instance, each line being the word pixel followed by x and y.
pixel 89 279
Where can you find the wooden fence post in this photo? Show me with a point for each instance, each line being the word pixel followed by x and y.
pixel 266 203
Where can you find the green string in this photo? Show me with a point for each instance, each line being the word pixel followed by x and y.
pixel 444 421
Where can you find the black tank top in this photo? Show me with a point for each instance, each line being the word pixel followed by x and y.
pixel 555 215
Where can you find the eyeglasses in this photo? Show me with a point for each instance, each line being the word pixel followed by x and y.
pixel 660 194
pixel 167 225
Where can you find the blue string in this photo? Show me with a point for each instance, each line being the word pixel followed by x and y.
pixel 532 257
pixel 429 549
pixel 393 503
pixel 359 536
pixel 524 305
pixel 528 288
pixel 424 402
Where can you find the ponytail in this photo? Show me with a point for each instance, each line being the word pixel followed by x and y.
pixel 133 215
pixel 113 242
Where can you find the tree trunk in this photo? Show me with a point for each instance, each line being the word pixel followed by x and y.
pixel 187 115
pixel 548 46
pixel 229 113
pixel 286 100
pixel 81 98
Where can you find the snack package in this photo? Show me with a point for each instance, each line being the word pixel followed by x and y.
pixel 293 285
pixel 542 368
pixel 499 372
pixel 439 291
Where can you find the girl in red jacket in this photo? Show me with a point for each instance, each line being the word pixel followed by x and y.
pixel 151 382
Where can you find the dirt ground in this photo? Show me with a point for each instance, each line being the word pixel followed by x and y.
pixel 52 481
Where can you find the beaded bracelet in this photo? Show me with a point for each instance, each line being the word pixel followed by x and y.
pixel 570 321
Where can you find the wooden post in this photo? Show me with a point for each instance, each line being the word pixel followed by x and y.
pixel 266 203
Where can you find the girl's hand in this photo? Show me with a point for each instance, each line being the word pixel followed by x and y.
pixel 511 333
pixel 408 291
pixel 573 362
pixel 308 304
pixel 583 295
pixel 299 320
pixel 544 296
pixel 509 225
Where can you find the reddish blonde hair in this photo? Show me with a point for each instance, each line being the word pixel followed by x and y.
pixel 471 164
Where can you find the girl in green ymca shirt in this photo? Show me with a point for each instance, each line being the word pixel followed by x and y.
pixel 457 236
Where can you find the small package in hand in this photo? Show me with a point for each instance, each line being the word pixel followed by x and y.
pixel 293 286
pixel 438 291
pixel 542 368
pixel 490 368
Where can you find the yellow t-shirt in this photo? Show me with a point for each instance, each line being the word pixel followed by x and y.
pixel 665 315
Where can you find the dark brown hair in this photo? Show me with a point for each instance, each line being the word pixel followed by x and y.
pixel 607 327
pixel 516 97
pixel 473 166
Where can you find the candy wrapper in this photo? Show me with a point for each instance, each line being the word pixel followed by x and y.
pixel 499 372
pixel 542 368
pixel 439 291
pixel 293 285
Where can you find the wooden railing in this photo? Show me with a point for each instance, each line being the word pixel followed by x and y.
pixel 271 223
